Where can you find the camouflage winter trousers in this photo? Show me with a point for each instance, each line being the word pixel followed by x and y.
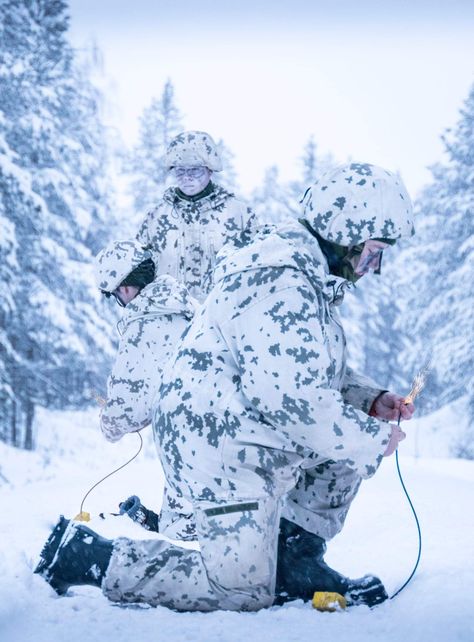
pixel 321 499
pixel 235 568
pixel 176 518
pixel 319 503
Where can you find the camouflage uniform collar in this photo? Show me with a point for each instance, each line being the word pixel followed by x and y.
pixel 217 197
pixel 335 287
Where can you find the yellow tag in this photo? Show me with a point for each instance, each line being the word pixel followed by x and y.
pixel 83 517
pixel 327 601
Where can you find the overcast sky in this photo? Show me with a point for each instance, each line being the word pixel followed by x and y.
pixel 376 81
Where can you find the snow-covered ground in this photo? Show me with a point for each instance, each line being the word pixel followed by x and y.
pixel 380 536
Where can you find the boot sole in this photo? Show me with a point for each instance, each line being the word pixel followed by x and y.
pixel 51 546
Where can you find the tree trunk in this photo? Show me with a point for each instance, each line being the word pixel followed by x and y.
pixel 29 416
pixel 14 423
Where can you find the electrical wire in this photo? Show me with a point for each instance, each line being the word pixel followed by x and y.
pixel 113 472
pixel 399 475
pixel 417 525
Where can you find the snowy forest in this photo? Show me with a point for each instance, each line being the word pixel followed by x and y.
pixel 69 184
pixel 63 175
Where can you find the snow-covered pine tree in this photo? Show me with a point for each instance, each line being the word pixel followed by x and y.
pixel 312 165
pixel 378 347
pixel 273 201
pixel 53 203
pixel 159 123
pixel 309 162
pixel 228 177
pixel 439 288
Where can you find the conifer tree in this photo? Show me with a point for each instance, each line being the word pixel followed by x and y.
pixel 228 177
pixel 371 313
pixel 439 287
pixel 159 123
pixel 273 202
pixel 276 200
pixel 53 205
pixel 312 165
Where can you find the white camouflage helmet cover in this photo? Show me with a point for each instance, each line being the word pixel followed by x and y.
pixel 115 262
pixel 356 202
pixel 193 149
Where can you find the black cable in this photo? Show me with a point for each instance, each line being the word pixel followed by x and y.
pixel 113 472
pixel 417 526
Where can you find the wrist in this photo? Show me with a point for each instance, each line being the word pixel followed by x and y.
pixel 372 409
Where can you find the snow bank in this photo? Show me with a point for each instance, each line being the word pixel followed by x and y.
pixel 380 536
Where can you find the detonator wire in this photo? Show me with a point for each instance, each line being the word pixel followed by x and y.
pixel 85 516
pixel 416 520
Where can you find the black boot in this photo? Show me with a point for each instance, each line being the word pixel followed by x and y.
pixel 301 571
pixel 74 555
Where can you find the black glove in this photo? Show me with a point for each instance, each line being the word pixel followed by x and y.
pixel 136 511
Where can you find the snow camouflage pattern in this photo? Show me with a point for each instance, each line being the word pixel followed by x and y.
pixel 193 149
pixel 246 428
pixel 116 261
pixel 160 573
pixel 150 329
pixel 185 235
pixel 355 202
pixel 176 516
pixel 257 408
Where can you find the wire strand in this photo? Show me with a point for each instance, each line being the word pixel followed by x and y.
pixel 113 472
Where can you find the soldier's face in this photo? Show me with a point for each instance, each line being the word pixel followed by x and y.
pixel 192 180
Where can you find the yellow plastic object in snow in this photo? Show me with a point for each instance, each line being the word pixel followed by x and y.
pixel 328 601
pixel 83 517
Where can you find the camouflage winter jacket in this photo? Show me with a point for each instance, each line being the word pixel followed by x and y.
pixel 260 387
pixel 149 330
pixel 185 235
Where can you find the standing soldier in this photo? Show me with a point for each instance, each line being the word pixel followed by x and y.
pixel 258 417
pixel 197 217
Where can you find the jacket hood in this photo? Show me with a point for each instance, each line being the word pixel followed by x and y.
pixel 164 296
pixel 289 245
pixel 356 202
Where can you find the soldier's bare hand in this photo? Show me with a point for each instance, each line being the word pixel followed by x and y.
pixel 390 406
pixel 397 435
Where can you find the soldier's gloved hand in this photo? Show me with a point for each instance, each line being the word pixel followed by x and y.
pixel 134 509
pixel 141 515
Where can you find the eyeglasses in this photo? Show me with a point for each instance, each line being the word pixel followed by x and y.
pixel 115 295
pixel 372 260
pixel 190 172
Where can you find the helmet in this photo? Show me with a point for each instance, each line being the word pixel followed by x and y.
pixel 353 203
pixel 193 149
pixel 115 262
